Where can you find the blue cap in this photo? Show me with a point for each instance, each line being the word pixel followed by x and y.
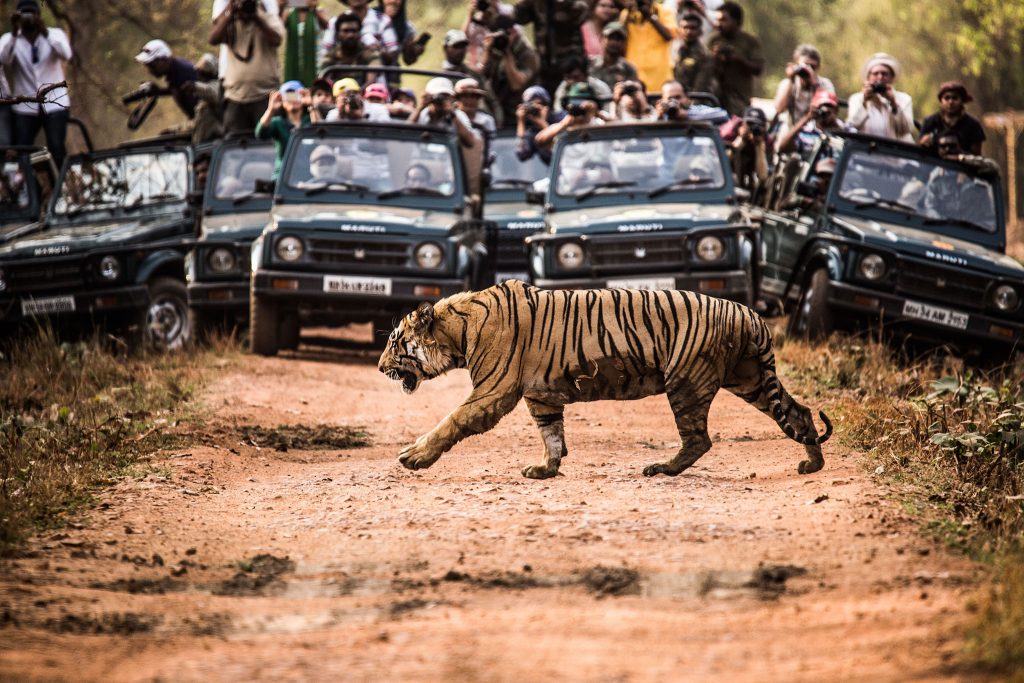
pixel 536 92
pixel 291 86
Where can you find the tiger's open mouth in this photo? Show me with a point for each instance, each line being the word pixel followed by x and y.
pixel 408 379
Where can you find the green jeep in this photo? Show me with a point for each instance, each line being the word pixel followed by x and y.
pixel 369 219
pixel 896 238
pixel 644 206
pixel 236 206
pixel 111 249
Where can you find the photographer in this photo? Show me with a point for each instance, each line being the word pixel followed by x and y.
pixel 508 66
pixel 821 118
pixel 611 66
pixel 953 117
pixel 556 27
pixel 801 84
pixel 288 108
pixel 576 71
pixel 581 109
pixel 694 69
pixel 468 96
pixel 35 53
pixel 349 49
pixel 533 116
pixel 158 59
pixel 455 45
pixel 738 58
pixel 650 30
pixel 435 109
pixel 252 71
pixel 352 106
pixel 675 105
pixel 630 100
pixel 878 109
pixel 749 151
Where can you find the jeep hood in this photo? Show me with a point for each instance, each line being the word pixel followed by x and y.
pixel 230 226
pixel 927 245
pixel 83 237
pixel 648 218
pixel 514 215
pixel 369 218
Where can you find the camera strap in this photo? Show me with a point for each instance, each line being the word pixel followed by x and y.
pixel 233 36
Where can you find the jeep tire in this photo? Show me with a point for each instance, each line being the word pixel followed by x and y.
pixel 166 324
pixel 263 325
pixel 811 319
pixel 288 330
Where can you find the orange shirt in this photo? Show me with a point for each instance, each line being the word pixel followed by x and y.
pixel 646 49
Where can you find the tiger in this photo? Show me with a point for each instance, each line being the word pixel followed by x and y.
pixel 554 348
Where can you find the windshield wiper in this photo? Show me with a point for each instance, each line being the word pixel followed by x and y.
pixel 513 182
pixel 678 185
pixel 962 222
pixel 888 203
pixel 243 198
pixel 344 184
pixel 425 191
pixel 610 185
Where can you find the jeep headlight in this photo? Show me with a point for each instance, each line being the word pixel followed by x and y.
pixel 429 255
pixel 570 255
pixel 289 248
pixel 872 267
pixel 222 260
pixel 710 248
pixel 110 268
pixel 3 280
pixel 1005 298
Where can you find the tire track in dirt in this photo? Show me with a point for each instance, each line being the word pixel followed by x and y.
pixel 231 561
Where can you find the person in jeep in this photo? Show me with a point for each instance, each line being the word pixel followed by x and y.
pixel 954 194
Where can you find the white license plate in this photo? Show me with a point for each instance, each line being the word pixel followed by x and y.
pixel 935 314
pixel 51 304
pixel 644 283
pixel 343 284
pixel 502 277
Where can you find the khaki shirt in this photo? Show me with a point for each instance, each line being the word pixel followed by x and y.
pixel 252 69
pixel 735 81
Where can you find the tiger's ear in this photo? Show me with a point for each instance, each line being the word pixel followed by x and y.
pixel 423 318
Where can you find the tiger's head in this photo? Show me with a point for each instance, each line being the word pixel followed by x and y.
pixel 413 353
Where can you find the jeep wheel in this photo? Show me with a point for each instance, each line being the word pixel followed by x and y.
pixel 167 324
pixel 811 319
pixel 263 326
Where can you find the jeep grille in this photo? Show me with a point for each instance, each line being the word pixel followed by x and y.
pixel 637 255
pixel 44 276
pixel 942 284
pixel 512 251
pixel 360 252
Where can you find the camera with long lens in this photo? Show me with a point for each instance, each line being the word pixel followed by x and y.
pixel 576 109
pixel 671 109
pixel 148 89
pixel 879 88
pixel 802 72
pixel 499 43
pixel 756 129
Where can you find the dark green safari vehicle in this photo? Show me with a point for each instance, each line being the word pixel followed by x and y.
pixel 511 181
pixel 111 248
pixel 898 238
pixel 27 178
pixel 236 208
pixel 644 206
pixel 369 219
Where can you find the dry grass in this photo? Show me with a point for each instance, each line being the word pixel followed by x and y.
pixel 952 437
pixel 75 415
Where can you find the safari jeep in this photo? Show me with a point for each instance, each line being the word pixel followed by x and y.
pixel 236 207
pixel 369 219
pixel 112 247
pixel 511 181
pixel 27 178
pixel 899 238
pixel 644 206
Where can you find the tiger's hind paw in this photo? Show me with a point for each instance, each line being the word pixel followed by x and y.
pixel 661 468
pixel 540 472
pixel 809 466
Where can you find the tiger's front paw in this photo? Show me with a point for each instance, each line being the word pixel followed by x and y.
pixel 660 468
pixel 540 472
pixel 418 456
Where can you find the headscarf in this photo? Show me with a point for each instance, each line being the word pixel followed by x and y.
pixel 883 59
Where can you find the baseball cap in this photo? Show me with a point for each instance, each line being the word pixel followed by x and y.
pixel 536 92
pixel 468 86
pixel 614 27
pixel 290 86
pixel 581 91
pixel 321 151
pixel 152 51
pixel 755 115
pixel 345 85
pixel 823 97
pixel 454 37
pixel 439 86
pixel 377 90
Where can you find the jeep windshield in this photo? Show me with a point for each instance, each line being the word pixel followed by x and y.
pixel 650 166
pixel 122 183
pixel 508 172
pixel 373 169
pixel 932 192
pixel 237 171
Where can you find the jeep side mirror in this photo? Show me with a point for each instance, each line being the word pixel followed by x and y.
pixel 535 197
pixel 807 188
pixel 264 185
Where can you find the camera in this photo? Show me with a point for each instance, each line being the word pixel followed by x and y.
pixel 352 100
pixel 879 88
pixel 576 109
pixel 802 72
pixel 247 8
pixel 756 129
pixel 671 109
pixel 438 99
pixel 533 110
pixel 630 88
pixel 499 43
pixel 148 89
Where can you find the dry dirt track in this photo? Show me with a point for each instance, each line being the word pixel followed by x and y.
pixel 738 570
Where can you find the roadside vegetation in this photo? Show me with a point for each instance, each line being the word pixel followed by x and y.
pixel 75 416
pixel 952 439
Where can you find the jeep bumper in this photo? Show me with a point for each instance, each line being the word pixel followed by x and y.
pixel 92 304
pixel 728 284
pixel 219 296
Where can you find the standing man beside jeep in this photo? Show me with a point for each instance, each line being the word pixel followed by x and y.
pixel 738 59
pixel 650 30
pixel 508 66
pixel 801 84
pixel 36 52
pixel 878 109
pixel 611 65
pixel 252 72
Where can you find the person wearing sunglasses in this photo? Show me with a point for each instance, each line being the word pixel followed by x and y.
pixel 822 117
pixel 952 116
pixel 34 52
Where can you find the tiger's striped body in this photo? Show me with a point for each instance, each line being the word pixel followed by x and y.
pixel 559 347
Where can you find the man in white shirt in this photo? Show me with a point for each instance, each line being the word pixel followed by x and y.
pixel 435 108
pixel 269 6
pixel 878 109
pixel 35 52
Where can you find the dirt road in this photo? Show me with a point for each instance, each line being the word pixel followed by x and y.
pixel 232 562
